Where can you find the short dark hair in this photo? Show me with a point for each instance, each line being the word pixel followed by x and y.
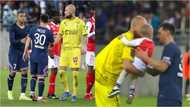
pixel 20 11
pixel 44 18
pixel 169 27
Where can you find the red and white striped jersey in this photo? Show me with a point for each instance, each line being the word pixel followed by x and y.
pixel 57 47
pixel 91 34
pixel 143 43
pixel 147 44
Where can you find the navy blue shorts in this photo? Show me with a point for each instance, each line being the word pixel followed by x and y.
pixel 16 61
pixel 168 102
pixel 38 68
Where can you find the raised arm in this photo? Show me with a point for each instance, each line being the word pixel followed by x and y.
pixel 133 43
pixel 158 65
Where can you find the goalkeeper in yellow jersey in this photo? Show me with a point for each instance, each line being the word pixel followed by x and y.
pixel 146 44
pixel 111 60
pixel 72 30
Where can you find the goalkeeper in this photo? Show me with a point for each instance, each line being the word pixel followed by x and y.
pixel 146 44
pixel 109 64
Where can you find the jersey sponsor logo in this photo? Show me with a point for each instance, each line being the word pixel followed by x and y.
pixel 70 32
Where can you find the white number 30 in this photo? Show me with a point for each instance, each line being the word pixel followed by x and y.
pixel 39 39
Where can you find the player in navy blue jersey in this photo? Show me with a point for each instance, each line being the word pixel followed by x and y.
pixel 41 38
pixel 169 68
pixel 17 37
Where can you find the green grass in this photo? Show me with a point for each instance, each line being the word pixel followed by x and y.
pixel 59 91
pixel 138 101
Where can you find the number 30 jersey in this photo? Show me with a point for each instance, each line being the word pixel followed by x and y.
pixel 41 37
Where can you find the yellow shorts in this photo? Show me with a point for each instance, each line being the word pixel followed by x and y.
pixel 70 57
pixel 101 96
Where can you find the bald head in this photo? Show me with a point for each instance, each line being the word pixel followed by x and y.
pixel 147 31
pixel 70 11
pixel 137 22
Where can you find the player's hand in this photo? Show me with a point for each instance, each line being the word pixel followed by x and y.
pixel 50 53
pixel 25 56
pixel 83 51
pixel 150 70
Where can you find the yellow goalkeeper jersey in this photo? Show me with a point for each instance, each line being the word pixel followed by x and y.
pixel 109 61
pixel 71 31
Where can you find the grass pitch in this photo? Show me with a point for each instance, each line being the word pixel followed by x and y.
pixel 138 101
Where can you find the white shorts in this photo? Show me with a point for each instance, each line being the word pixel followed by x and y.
pixel 139 64
pixel 53 62
pixel 90 58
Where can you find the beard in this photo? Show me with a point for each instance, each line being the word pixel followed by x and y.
pixel 69 16
pixel 21 22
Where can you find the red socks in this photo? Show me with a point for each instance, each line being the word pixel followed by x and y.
pixel 52 79
pixel 89 81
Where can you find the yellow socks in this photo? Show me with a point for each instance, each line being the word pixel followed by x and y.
pixel 75 82
pixel 64 80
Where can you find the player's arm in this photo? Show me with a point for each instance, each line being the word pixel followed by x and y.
pixel 25 54
pixel 151 71
pixel 127 57
pixel 158 65
pixel 88 28
pixel 84 33
pixel 91 34
pixel 59 35
pixel 51 44
pixel 84 42
pixel 13 39
pixel 57 38
pixel 133 43
pixel 128 66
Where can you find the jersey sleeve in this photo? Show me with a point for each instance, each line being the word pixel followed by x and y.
pixel 27 30
pixel 51 39
pixel 134 43
pixel 61 28
pixel 168 55
pixel 83 28
pixel 88 27
pixel 128 53
pixel 30 34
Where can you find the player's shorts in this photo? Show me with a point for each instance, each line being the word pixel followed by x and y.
pixel 53 62
pixel 90 58
pixel 16 61
pixel 139 64
pixel 101 96
pixel 168 103
pixel 70 57
pixel 39 68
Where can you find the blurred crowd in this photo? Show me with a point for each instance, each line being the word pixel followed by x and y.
pixel 34 8
pixel 113 17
